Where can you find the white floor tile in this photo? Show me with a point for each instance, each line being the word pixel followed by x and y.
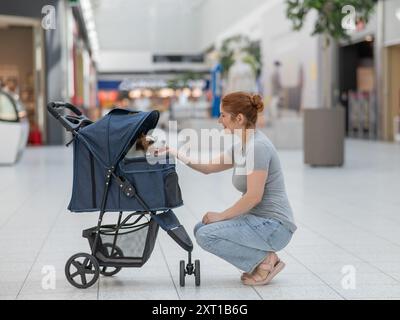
pixel 346 217
pixel 238 293
pixel 76 295
pixel 139 294
pixel 309 292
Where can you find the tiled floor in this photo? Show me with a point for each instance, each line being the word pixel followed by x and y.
pixel 348 219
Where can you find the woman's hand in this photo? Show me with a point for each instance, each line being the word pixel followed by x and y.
pixel 166 150
pixel 211 217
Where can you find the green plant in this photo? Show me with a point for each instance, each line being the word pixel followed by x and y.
pixel 329 14
pixel 243 43
pixel 330 17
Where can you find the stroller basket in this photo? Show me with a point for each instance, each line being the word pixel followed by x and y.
pixel 125 245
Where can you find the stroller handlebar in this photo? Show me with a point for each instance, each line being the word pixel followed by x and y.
pixel 69 122
pixel 56 105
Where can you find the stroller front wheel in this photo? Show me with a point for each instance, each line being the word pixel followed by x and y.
pixel 182 273
pixel 190 269
pixel 197 272
pixel 82 270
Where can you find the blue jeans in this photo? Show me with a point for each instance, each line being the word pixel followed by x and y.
pixel 244 241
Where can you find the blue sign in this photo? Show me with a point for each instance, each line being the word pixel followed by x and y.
pixel 216 87
pixel 108 85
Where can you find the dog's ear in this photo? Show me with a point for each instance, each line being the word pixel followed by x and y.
pixel 141 143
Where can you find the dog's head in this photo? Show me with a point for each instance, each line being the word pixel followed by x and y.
pixel 144 142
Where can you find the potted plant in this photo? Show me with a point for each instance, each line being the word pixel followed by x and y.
pixel 324 128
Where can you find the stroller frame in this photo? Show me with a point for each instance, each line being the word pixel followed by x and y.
pixel 108 256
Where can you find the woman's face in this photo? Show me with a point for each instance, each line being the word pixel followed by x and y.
pixel 229 121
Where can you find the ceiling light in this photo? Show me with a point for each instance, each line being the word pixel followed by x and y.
pixel 88 17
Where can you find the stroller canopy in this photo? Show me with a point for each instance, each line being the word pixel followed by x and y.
pixel 102 145
pixel 113 135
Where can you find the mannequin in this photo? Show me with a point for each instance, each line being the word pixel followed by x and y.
pixel 241 76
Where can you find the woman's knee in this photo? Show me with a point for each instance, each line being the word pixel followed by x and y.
pixel 203 237
pixel 197 227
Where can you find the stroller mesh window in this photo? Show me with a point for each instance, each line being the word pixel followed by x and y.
pixel 132 242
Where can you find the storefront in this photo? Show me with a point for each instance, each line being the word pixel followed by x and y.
pixel 369 76
pixel 45 60
pixel 22 70
pixel 357 84
pixel 175 95
pixel 391 66
pixel 393 98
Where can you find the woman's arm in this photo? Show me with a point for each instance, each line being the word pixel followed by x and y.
pixel 218 164
pixel 255 191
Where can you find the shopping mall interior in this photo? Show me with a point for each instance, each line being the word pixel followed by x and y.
pixel 80 80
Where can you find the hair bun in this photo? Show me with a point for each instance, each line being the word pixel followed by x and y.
pixel 257 102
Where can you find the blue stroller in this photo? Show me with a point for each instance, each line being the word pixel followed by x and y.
pixel 105 180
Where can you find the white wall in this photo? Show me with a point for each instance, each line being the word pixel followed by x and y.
pixel 266 21
pixel 131 31
pixel 147 25
pixel 218 16
pixel 292 49
pixel 391 22
pixel 195 30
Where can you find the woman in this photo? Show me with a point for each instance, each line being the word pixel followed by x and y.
pixel 260 223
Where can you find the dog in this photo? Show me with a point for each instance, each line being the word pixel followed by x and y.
pixel 145 145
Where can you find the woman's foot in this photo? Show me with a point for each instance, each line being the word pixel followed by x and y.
pixel 269 260
pixel 245 275
pixel 264 272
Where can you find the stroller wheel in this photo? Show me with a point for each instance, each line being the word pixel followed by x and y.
pixel 182 273
pixel 110 271
pixel 82 270
pixel 197 272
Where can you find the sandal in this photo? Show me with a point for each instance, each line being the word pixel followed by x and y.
pixel 267 265
pixel 263 266
pixel 256 279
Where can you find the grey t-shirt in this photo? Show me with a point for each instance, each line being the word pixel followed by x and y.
pixel 260 154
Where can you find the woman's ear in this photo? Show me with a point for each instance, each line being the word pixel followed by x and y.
pixel 240 119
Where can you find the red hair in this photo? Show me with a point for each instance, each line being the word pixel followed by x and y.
pixel 245 103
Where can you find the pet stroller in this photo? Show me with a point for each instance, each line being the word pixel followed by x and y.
pixel 106 181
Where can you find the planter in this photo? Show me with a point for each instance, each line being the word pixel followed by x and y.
pixel 324 133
